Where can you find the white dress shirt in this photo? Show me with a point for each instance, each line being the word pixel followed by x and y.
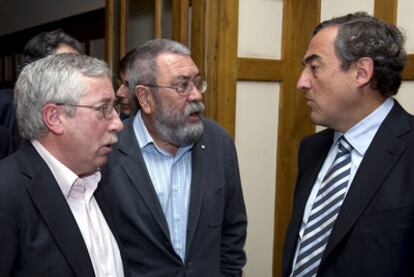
pixel 78 192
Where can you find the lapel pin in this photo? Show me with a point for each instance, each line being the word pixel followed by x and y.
pixel 203 146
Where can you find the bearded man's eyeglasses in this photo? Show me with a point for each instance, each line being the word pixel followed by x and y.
pixel 184 89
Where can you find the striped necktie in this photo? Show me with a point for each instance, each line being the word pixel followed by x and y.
pixel 324 212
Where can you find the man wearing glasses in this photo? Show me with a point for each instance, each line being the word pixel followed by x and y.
pixel 51 224
pixel 173 179
pixel 127 101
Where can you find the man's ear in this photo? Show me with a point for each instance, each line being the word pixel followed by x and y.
pixel 144 98
pixel 365 70
pixel 52 114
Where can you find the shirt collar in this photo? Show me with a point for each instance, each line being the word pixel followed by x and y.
pixel 141 132
pixel 361 135
pixel 63 175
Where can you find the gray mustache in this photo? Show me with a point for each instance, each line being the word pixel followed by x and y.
pixel 114 139
pixel 194 107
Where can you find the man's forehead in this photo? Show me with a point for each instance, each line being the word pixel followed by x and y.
pixel 173 59
pixel 322 44
pixel 176 64
pixel 98 87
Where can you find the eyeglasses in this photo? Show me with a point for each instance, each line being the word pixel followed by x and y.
pixel 184 89
pixel 106 110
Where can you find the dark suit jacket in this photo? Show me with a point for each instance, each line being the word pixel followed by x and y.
pixel 7 112
pixel 5 142
pixel 374 232
pixel 217 218
pixel 38 233
pixel 8 116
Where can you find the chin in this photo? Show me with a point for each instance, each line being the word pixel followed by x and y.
pixel 101 161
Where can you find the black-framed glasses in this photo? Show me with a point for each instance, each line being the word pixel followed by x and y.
pixel 106 109
pixel 184 89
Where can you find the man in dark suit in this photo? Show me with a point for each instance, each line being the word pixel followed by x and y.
pixel 5 142
pixel 173 179
pixel 353 211
pixel 50 222
pixel 8 116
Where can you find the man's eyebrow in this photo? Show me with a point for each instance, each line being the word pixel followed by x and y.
pixel 310 59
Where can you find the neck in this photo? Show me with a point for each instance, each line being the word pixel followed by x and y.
pixel 366 106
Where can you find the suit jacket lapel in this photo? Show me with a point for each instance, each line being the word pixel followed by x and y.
pixel 53 208
pixel 139 175
pixel 198 178
pixel 384 151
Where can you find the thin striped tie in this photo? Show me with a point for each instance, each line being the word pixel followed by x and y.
pixel 324 212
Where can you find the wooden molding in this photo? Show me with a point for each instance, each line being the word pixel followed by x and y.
pixel 214 49
pixel 386 10
pixel 408 72
pixel 123 18
pixel 259 69
pixel 158 19
pixel 294 122
pixel 180 21
pixel 113 34
pixel 109 34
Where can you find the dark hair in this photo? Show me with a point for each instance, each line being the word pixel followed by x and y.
pixel 45 44
pixel 361 35
pixel 126 61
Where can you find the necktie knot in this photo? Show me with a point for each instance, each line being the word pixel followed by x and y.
pixel 344 146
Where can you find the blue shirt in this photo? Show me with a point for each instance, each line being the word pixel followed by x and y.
pixel 171 178
pixel 360 137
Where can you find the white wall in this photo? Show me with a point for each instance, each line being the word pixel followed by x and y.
pixel 260 28
pixel 405 21
pixel 20 14
pixel 332 8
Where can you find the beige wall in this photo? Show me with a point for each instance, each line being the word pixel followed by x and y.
pixel 257 115
pixel 256 127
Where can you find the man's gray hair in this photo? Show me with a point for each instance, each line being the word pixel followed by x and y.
pixel 53 79
pixel 143 67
